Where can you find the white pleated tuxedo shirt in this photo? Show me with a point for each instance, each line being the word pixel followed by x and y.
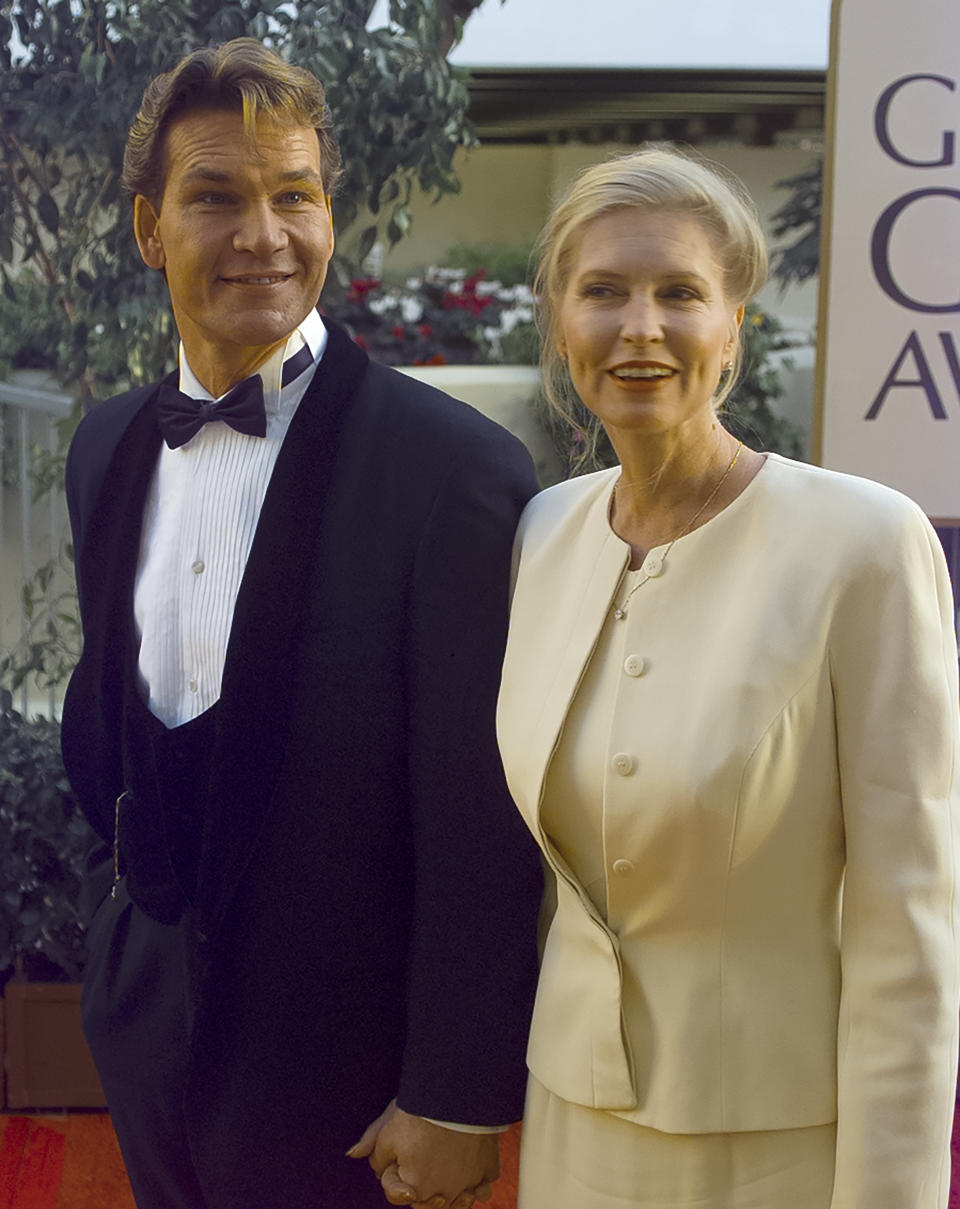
pixel 199 520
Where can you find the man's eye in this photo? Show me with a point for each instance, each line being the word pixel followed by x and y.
pixel 294 198
pixel 213 199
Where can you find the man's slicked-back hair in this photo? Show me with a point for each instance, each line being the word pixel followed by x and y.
pixel 244 76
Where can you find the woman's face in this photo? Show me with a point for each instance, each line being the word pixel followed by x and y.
pixel 645 325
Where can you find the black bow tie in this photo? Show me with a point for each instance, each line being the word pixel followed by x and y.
pixel 181 417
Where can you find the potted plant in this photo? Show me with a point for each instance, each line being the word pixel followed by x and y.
pixel 442 316
pixel 43 840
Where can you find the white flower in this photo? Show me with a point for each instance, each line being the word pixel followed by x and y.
pixel 411 309
pixel 510 318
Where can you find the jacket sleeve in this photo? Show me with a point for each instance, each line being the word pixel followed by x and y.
pixel 473 958
pixel 894 673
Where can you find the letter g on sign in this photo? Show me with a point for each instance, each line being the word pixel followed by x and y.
pixel 881 124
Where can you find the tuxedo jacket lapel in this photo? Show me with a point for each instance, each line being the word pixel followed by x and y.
pixel 254 710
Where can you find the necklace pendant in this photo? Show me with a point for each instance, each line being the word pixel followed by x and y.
pixel 619 613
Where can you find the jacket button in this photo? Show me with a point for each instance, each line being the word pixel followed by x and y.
pixel 622 763
pixel 653 565
pixel 634 665
pixel 623 867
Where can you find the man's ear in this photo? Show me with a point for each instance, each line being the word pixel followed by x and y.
pixel 146 230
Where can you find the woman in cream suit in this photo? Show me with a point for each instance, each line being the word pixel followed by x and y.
pixel 729 717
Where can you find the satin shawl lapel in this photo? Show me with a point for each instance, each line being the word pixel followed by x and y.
pixel 111 544
pixel 263 652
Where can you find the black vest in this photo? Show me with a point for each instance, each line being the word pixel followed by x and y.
pixel 160 815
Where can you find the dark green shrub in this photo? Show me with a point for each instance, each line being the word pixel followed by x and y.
pixel 43 841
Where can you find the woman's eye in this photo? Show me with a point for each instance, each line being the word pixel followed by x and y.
pixel 597 290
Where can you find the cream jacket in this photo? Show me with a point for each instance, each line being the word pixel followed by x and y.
pixel 791 759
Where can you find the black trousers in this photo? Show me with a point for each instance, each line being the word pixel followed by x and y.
pixel 136 1016
pixel 135 1020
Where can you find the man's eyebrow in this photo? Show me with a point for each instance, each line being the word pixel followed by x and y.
pixel 206 174
pixel 302 174
pixel 217 176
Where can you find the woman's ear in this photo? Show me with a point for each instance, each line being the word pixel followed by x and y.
pixel 730 348
pixel 146 230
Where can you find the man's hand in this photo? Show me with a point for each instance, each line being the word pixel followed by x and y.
pixel 426 1166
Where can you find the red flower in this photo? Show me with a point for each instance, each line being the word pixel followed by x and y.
pixel 425 330
pixel 360 287
pixel 398 332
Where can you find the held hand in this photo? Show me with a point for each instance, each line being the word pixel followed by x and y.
pixel 426 1166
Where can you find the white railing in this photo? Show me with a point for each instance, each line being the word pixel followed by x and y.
pixel 32 532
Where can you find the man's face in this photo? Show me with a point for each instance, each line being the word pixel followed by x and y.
pixel 244 233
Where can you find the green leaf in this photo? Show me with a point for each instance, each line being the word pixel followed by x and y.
pixel 399 224
pixel 49 213
pixel 365 245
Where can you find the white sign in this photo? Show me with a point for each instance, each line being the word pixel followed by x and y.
pixel 889 341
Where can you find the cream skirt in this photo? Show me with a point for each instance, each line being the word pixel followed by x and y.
pixel 573 1157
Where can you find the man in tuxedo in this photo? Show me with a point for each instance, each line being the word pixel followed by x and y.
pixel 316 922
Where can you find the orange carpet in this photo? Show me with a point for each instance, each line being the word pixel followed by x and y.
pixel 73 1162
pixel 61 1162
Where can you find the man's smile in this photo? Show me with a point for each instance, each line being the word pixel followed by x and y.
pixel 272 279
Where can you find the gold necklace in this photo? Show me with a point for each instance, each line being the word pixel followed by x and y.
pixel 621 610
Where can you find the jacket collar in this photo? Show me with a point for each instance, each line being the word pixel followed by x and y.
pixel 570 567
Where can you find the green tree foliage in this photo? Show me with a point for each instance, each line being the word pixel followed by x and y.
pixel 43 839
pixel 75 296
pixel 750 412
pixel 798 222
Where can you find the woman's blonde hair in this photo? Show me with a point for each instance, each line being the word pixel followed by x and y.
pixel 656 177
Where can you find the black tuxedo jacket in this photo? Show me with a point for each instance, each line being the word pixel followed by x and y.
pixel 365 911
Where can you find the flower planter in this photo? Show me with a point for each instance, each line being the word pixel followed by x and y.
pixel 47 1062
pixel 504 393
